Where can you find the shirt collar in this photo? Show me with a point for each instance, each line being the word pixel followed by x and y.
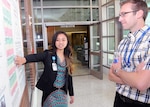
pixel 137 33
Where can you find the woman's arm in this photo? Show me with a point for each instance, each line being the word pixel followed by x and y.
pixel 31 58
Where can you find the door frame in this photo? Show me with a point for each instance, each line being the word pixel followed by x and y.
pixel 45 43
pixel 98 74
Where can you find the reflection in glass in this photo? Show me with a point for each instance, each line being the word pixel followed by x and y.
pixel 95 14
pixel 95 31
pixel 25 53
pixel 125 33
pixel 111 28
pixel 23 16
pixel 110 11
pixel 110 59
pixel 39 46
pixel 104 29
pixel 111 44
pixel 25 48
pixel 104 58
pixel 24 32
pixel 148 2
pixel 58 15
pixel 37 15
pixel 96 44
pixel 22 3
pixel 95 63
pixel 104 44
pixel 107 59
pixel 38 32
pixel 36 3
pixel 95 2
pixel 66 2
pixel 147 21
pixel 103 12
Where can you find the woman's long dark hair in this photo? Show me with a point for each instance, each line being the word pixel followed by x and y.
pixel 67 50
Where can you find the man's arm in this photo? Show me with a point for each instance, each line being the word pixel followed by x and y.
pixel 139 79
pixel 113 77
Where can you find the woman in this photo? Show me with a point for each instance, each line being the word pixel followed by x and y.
pixel 56 79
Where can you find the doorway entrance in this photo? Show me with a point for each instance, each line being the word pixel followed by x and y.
pixel 79 41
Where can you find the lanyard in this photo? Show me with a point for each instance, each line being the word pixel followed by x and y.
pixel 54 65
pixel 136 43
pixel 53 58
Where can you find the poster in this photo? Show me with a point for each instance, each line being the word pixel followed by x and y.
pixel 12 87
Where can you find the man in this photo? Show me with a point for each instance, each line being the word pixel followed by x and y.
pixel 131 73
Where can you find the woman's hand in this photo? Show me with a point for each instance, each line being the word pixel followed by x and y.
pixel 71 99
pixel 19 60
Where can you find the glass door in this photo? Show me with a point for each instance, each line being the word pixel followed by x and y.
pixel 92 51
pixel 95 51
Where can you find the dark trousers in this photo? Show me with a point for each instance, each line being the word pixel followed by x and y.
pixel 121 101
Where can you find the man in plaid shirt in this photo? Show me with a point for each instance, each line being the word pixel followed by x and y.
pixel 131 72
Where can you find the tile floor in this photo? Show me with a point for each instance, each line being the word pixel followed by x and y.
pixel 92 92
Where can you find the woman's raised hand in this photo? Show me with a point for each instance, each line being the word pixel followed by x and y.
pixel 19 60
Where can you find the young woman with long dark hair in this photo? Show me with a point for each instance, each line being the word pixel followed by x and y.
pixel 56 80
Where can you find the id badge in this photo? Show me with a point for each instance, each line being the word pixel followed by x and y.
pixel 54 66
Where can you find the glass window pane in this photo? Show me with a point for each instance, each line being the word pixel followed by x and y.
pixel 66 2
pixel 147 21
pixel 37 15
pixel 58 15
pixel 104 13
pixel 39 48
pixel 36 3
pixel 109 0
pixel 22 3
pixel 108 28
pixel 110 11
pixel 104 59
pixel 107 59
pixel 96 44
pixel 110 59
pixel 111 44
pixel 95 63
pixel 95 2
pixel 95 31
pixel 148 2
pixel 38 32
pixel 104 29
pixel 95 14
pixel 26 53
pixel 24 32
pixel 125 32
pixel 25 48
pixel 104 44
pixel 23 16
pixel 111 28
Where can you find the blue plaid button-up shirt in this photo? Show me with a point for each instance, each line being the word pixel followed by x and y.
pixel 134 49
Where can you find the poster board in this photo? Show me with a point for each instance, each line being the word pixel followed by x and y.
pixel 12 78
